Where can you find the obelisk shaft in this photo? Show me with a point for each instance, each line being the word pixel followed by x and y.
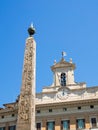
pixel 26 106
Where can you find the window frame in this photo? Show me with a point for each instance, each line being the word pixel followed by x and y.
pixel 92 106
pixel 79 107
pixel 13 126
pixel 63 79
pixel 2 127
pixel 62 123
pixel 50 110
pixel 38 111
pixel 77 123
pixel 91 122
pixel 40 125
pixel 50 122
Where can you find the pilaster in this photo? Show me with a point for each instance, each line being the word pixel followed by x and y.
pixel 72 123
pixel 7 126
pixel 58 124
pixel 44 124
pixel 87 122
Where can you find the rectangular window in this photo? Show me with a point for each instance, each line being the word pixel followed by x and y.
pixel 50 110
pixel 64 109
pixel 38 126
pixel 91 106
pixel 93 122
pixel 12 127
pixel 80 123
pixel 51 125
pixel 65 125
pixel 38 111
pixel 13 115
pixel 2 128
pixel 79 108
pixel 2 117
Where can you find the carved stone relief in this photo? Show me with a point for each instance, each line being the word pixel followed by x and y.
pixel 26 91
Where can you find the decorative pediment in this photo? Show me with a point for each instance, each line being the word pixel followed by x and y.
pixel 63 64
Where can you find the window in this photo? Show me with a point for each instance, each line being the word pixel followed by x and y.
pixel 91 106
pixel 65 125
pixel 2 128
pixel 38 111
pixel 12 127
pixel 63 79
pixel 38 126
pixel 79 108
pixel 13 115
pixel 93 122
pixel 80 123
pixel 64 109
pixel 50 110
pixel 2 117
pixel 51 125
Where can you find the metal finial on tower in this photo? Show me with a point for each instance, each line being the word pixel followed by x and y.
pixel 70 60
pixel 54 62
pixel 31 30
pixel 63 54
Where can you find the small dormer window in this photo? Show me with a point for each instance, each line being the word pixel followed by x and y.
pixel 63 79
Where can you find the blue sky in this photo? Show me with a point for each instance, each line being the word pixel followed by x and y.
pixel 61 25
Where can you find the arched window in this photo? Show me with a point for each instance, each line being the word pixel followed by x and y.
pixel 63 79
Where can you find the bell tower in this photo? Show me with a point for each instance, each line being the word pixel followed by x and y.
pixel 26 105
pixel 63 72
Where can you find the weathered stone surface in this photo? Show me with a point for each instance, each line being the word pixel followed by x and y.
pixel 26 106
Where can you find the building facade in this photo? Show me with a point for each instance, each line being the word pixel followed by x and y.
pixel 65 105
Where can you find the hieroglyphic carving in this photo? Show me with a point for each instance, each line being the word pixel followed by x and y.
pixel 26 91
pixel 24 108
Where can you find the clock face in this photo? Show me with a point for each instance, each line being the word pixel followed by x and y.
pixel 63 94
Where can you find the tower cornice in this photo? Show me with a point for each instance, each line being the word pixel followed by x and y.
pixel 63 64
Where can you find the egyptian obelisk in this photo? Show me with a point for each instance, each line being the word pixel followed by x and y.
pixel 26 105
